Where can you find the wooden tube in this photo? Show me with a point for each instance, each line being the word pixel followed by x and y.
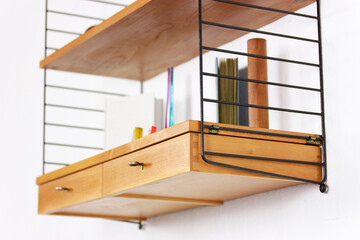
pixel 258 93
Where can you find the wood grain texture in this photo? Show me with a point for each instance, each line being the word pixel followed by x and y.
pixel 84 186
pixel 190 185
pixel 130 208
pixel 163 135
pixel 130 147
pixel 176 178
pixel 108 216
pixel 256 148
pixel 258 93
pixel 171 199
pixel 160 161
pixel 73 168
pixel 150 36
pixel 258 135
pixel 210 186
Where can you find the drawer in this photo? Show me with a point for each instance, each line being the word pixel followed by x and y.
pixel 160 161
pixel 75 188
pixel 262 149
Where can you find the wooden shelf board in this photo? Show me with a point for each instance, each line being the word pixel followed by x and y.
pixel 122 150
pixel 149 36
pixel 215 188
pixel 163 135
pixel 170 199
pixel 175 176
pixel 210 186
pixel 107 216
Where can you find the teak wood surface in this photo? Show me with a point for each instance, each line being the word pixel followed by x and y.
pixel 83 186
pixel 175 177
pixel 149 36
pixel 125 208
pixel 163 135
pixel 161 161
pixel 171 199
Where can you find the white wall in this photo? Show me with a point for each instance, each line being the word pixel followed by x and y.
pixel 294 213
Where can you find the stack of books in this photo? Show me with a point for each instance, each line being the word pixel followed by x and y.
pixel 234 91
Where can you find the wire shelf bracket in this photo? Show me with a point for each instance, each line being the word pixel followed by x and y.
pixel 214 129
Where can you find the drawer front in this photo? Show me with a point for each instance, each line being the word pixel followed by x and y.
pixel 75 188
pixel 258 148
pixel 160 161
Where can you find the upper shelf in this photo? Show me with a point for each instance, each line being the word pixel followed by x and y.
pixel 149 36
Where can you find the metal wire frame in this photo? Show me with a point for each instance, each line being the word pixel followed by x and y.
pixel 323 164
pixel 75 15
pixel 139 223
pixel 110 3
pixel 45 86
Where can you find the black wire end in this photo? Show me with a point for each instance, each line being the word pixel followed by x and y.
pixel 324 188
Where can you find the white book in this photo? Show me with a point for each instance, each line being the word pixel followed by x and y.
pixel 123 114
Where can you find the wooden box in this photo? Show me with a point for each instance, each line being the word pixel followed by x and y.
pixel 174 175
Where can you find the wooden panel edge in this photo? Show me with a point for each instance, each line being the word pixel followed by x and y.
pixel 108 189
pixel 199 165
pixel 171 199
pixel 94 31
pixel 110 217
pixel 155 138
pixel 261 136
pixel 75 167
pixel 163 135
pixel 79 190
pixel 195 126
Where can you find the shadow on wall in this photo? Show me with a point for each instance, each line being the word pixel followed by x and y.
pixel 269 211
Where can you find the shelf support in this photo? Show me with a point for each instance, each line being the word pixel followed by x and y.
pixel 310 139
pixel 125 219
pixel 140 223
pixel 323 186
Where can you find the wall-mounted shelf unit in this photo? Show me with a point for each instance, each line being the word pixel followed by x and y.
pixel 193 163
pixel 174 176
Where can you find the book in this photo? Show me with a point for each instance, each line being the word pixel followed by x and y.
pixel 231 90
pixel 243 112
pixel 124 114
pixel 169 115
pixel 228 90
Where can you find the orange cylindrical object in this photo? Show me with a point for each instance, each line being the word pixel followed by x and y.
pixel 258 93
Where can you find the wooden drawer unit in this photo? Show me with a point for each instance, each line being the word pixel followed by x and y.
pixel 291 152
pixel 113 184
pixel 160 161
pixel 69 190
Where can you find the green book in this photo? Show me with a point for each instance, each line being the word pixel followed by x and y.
pixel 228 90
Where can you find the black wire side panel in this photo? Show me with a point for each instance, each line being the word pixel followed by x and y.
pixel 58 32
pixel 71 91
pixel 320 90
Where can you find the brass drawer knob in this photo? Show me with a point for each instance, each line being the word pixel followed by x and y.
pixel 62 189
pixel 134 164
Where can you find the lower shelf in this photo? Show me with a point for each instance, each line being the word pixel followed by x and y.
pixel 196 189
pixel 174 177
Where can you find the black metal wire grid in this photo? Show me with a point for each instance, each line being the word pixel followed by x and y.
pixel 204 154
pixel 47 86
